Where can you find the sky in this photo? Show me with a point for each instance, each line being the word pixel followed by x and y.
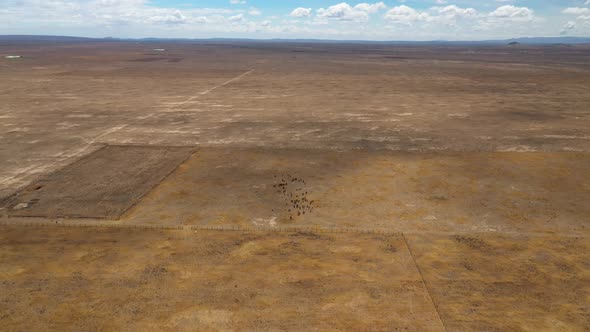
pixel 317 19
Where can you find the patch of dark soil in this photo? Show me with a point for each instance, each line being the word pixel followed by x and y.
pixel 532 116
pixel 154 59
pixel 154 271
pixel 390 247
pixel 309 235
pixel 396 57
pixel 472 242
pixel 148 59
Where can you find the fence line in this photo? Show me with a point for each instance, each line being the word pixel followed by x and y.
pixel 233 228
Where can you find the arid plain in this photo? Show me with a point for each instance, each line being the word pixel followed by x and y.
pixel 290 186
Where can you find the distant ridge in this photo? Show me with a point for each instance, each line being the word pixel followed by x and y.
pixel 514 41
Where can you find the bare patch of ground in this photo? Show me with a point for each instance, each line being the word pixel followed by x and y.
pixel 104 184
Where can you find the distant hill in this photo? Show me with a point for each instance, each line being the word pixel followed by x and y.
pixel 549 40
pixel 514 41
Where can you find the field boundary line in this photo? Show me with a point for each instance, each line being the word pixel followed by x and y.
pixel 215 87
pixel 287 229
pixel 424 283
pixel 104 223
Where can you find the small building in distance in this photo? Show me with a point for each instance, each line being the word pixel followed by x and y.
pixel 159 49
pixel 12 56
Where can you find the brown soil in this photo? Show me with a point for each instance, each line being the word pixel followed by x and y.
pixel 367 188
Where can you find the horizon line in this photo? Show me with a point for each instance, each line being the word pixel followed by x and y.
pixel 583 40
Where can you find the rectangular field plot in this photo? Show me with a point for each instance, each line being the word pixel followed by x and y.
pixel 102 185
pixel 373 189
pixel 126 279
pixel 489 282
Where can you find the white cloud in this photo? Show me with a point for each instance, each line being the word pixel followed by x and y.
pixel 343 12
pixel 512 13
pixel 454 20
pixel 576 11
pixel 567 27
pixel 236 18
pixel 301 12
pixel 175 17
pixel 237 2
pixel 518 20
pixel 454 12
pixel 406 15
pixel 582 13
pixel 452 15
pixel 370 8
pixel 141 18
pixel 448 15
pixel 111 3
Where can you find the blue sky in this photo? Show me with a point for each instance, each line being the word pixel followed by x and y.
pixel 323 19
